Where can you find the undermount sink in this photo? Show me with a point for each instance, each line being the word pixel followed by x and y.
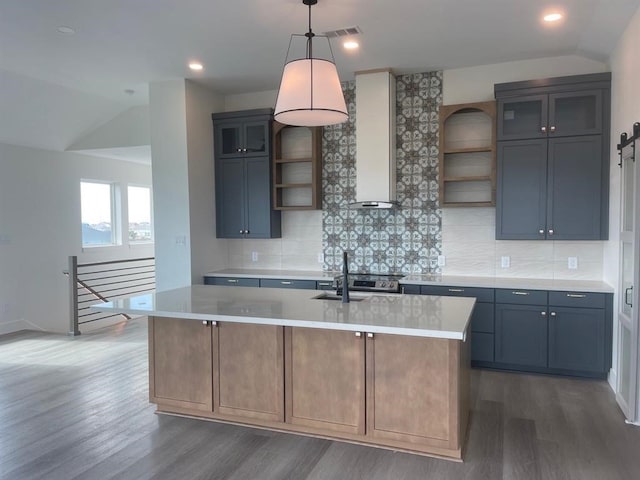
pixel 333 296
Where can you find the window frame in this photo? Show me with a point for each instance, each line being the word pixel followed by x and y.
pixel 128 220
pixel 114 203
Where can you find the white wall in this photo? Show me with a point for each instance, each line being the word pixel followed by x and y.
pixel 129 128
pixel 207 252
pixel 625 111
pixel 475 84
pixel 468 234
pixel 183 182
pixel 40 227
pixel 167 112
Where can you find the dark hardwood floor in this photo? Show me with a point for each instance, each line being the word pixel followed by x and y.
pixel 77 408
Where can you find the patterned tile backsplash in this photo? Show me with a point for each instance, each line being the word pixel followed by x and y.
pixel 406 239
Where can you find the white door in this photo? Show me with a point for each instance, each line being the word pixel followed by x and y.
pixel 627 388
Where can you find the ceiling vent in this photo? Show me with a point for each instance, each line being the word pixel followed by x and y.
pixel 343 32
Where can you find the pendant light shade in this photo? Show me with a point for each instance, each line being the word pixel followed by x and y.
pixel 310 93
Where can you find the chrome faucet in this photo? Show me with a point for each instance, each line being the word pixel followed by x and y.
pixel 345 278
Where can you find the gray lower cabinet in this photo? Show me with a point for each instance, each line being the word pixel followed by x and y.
pixel 553 332
pixel 287 283
pixel 521 335
pixel 482 318
pixel 578 323
pixel 270 283
pixel 232 281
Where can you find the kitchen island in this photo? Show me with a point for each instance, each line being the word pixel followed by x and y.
pixel 384 370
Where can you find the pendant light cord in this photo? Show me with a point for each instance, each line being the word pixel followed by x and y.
pixel 310 36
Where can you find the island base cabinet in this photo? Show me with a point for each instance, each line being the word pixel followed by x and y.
pixel 248 370
pixel 325 375
pixel 416 390
pixel 180 367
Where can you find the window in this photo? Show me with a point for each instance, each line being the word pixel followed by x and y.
pixel 97 201
pixel 139 209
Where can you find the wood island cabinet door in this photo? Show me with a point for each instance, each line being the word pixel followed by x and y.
pixel 412 390
pixel 325 379
pixel 180 363
pixel 250 371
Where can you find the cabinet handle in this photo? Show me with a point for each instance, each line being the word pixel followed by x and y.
pixel 575 295
pixel 358 334
pixel 369 335
pixel 520 293
pixel 325 284
pixel 541 231
pixel 247 232
pixel 544 314
pixel 552 129
pixel 231 280
pixel 244 150
pixel 213 323
pixel 551 231
pixel 543 129
pixel 553 314
pixel 205 323
pixel 456 289
pixel 626 295
pixel 238 150
pixel 285 283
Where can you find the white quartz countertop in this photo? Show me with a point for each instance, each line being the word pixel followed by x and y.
pixel 510 282
pixel 415 315
pixel 433 279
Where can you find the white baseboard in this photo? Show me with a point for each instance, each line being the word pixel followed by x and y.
pixel 15 326
pixel 613 379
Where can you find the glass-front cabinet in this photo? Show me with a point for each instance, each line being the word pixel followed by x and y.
pixel 554 115
pixel 236 138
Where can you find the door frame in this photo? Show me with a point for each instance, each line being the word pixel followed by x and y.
pixel 630 408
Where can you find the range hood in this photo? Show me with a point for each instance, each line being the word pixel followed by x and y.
pixel 375 139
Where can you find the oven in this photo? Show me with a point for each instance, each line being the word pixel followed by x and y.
pixel 370 282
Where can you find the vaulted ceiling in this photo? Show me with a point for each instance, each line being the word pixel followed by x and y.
pixel 121 45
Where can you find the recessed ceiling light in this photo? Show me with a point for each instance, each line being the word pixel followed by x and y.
pixel 350 44
pixel 65 30
pixel 195 66
pixel 552 17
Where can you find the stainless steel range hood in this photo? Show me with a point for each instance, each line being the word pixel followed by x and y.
pixel 375 139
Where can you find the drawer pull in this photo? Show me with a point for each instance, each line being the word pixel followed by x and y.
pixel 358 334
pixel 369 335
pixel 231 280
pixel 325 284
pixel 459 290
pixel 285 283
pixel 520 293
pixel 575 295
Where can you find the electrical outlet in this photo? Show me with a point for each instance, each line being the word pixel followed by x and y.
pixel 254 256
pixel 321 258
pixel 505 262
pixel 441 260
pixel 572 263
pixel 181 240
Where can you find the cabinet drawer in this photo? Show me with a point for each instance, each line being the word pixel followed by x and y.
pixel 482 318
pixel 577 299
pixel 482 347
pixel 520 296
pixel 480 294
pixel 285 283
pixel 410 289
pixel 325 285
pixel 232 281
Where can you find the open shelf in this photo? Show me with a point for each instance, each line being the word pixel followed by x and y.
pixel 467 155
pixel 297 167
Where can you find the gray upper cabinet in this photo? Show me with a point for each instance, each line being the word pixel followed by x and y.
pixel 243 175
pixel 235 137
pixel 553 159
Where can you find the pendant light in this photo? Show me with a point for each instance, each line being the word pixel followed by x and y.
pixel 310 94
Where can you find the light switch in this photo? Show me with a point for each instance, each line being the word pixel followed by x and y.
pixel 321 258
pixel 441 260
pixel 254 256
pixel 572 263
pixel 505 261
